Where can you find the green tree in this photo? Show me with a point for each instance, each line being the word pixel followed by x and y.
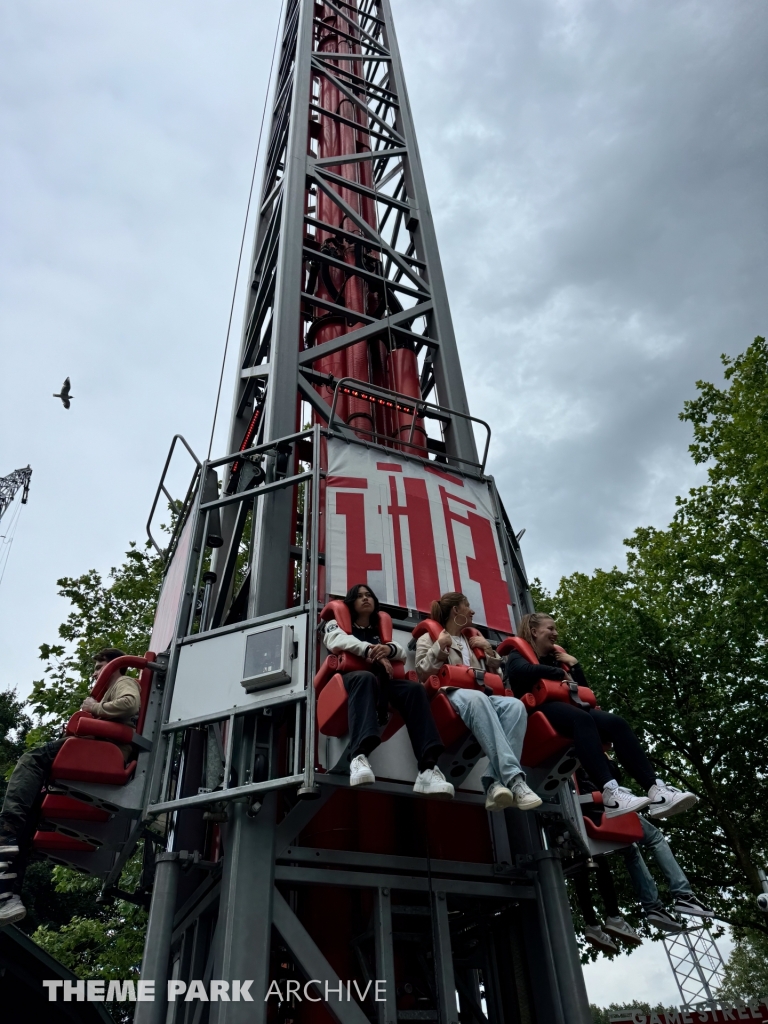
pixel 746 973
pixel 99 942
pixel 94 940
pixel 677 642
pixel 14 726
pixel 118 613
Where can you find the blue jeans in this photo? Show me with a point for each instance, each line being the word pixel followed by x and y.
pixel 498 724
pixel 642 880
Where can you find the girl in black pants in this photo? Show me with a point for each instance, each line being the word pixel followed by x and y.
pixel 590 728
pixel 370 692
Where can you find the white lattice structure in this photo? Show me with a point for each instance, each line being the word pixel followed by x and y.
pixel 696 964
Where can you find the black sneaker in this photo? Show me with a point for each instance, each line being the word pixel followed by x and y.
pixel 9 845
pixel 692 906
pixel 664 920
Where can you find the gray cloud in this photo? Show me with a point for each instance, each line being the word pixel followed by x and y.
pixel 596 173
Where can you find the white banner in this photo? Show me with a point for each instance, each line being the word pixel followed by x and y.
pixel 412 532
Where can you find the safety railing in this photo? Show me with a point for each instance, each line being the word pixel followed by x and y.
pixel 289 463
pixel 416 408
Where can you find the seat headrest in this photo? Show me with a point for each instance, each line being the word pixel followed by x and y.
pixel 516 643
pixel 430 626
pixel 338 610
pixel 118 665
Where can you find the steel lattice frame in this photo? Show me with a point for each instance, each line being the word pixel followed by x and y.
pixel 10 485
pixel 697 966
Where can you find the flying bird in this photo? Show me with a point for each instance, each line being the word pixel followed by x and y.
pixel 64 394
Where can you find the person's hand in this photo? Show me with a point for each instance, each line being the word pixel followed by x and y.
pixel 88 704
pixel 480 643
pixel 378 652
pixel 566 659
pixel 386 665
pixel 445 640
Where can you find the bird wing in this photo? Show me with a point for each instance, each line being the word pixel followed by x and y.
pixel 66 386
pixel 66 402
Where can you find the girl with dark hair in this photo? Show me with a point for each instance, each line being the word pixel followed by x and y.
pixel 497 723
pixel 370 692
pixel 590 727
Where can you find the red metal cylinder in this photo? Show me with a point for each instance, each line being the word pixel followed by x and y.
pixel 409 431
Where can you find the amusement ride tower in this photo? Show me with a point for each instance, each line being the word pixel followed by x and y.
pixel 353 457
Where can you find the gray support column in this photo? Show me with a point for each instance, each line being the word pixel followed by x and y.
pixel 245 915
pixel 446 983
pixel 157 948
pixel 565 953
pixel 385 956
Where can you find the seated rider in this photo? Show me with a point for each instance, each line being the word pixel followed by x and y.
pixel 371 691
pixel 18 819
pixel 685 902
pixel 497 723
pixel 590 728
pixel 615 926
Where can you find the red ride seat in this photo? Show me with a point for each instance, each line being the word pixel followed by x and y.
pixel 332 698
pixel 544 689
pixel 92 761
pixel 85 756
pixel 625 829
pixel 53 841
pixel 447 720
pixel 541 741
pixel 56 805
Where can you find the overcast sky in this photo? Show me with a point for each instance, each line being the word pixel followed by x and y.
pixel 597 171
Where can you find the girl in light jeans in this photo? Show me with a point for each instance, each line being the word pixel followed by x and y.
pixel 497 723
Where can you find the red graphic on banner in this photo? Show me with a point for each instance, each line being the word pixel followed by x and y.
pixel 483 568
pixel 445 476
pixel 347 481
pixel 426 581
pixel 359 560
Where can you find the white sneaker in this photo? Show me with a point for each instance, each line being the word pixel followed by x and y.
pixel 595 936
pixel 11 910
pixel 525 798
pixel 432 782
pixel 360 771
pixel 619 800
pixel 621 929
pixel 666 800
pixel 498 797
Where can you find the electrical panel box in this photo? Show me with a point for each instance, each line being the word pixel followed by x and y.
pixel 268 656
pixel 234 669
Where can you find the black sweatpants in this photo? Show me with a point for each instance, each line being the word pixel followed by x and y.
pixel 410 699
pixel 23 797
pixel 605 887
pixel 589 730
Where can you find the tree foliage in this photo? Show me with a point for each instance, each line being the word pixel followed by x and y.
pixel 118 613
pixel 746 974
pixel 677 642
pixel 93 940
pixel 99 942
